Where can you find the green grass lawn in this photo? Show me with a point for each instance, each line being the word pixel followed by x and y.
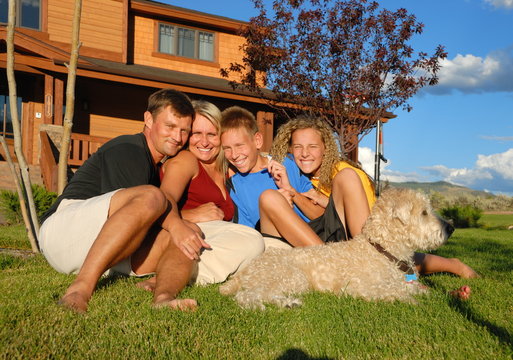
pixel 121 324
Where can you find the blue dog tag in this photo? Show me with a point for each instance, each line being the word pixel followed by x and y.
pixel 410 277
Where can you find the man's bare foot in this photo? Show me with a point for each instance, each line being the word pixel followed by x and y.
pixel 463 270
pixel 177 304
pixel 75 301
pixel 463 293
pixel 148 285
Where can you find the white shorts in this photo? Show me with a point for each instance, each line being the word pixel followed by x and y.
pixel 233 247
pixel 271 242
pixel 67 235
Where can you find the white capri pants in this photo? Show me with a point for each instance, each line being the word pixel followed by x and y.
pixel 67 235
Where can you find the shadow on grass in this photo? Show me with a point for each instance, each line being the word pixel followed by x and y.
pixel 298 354
pixel 464 308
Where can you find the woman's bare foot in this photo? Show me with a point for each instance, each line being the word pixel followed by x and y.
pixel 463 270
pixel 148 285
pixel 177 304
pixel 463 293
pixel 75 301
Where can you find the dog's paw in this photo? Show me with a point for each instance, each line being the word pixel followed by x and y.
pixel 287 302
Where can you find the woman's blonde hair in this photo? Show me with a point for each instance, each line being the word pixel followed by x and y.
pixel 213 114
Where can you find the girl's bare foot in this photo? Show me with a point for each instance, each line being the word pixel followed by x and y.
pixel 177 304
pixel 463 293
pixel 148 285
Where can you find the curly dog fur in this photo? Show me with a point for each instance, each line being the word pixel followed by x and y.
pixel 401 221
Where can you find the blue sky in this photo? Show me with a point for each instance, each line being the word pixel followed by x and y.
pixel 461 130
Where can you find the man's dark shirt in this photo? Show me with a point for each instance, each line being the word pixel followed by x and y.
pixel 122 162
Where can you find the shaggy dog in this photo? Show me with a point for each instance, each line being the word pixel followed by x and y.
pixel 371 266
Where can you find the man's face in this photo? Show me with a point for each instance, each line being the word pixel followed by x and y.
pixel 242 149
pixel 166 132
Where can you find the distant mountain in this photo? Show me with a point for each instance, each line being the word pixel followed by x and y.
pixel 442 187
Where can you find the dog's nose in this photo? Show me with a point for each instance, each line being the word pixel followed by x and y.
pixel 448 228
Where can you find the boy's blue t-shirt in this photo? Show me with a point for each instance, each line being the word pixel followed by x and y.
pixel 246 189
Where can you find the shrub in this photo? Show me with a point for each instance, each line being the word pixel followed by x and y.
pixel 462 216
pixel 10 203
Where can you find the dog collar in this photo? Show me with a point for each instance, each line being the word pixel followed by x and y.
pixel 403 265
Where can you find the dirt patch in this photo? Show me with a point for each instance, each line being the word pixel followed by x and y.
pixel 17 252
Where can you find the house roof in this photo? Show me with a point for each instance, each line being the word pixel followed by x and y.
pixel 35 53
pixel 197 17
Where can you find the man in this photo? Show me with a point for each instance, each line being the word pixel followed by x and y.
pixel 101 220
pixel 257 174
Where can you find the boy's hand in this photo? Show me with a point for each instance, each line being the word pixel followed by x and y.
pixel 288 195
pixel 279 174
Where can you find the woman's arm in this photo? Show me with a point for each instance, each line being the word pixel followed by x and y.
pixel 308 207
pixel 178 173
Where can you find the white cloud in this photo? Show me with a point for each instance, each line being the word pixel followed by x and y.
pixel 366 157
pixel 508 4
pixel 493 173
pixel 502 163
pixel 474 74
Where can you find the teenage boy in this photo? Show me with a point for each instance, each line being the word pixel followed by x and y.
pixel 257 174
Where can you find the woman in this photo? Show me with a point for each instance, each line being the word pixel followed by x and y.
pixel 343 189
pixel 195 179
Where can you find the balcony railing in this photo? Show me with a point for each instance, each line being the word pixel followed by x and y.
pixel 81 148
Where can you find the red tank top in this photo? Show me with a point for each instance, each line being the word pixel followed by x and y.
pixel 202 189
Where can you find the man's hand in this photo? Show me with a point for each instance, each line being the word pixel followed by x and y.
pixel 317 197
pixel 205 212
pixel 188 237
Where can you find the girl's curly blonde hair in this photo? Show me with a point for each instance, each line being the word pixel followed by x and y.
pixel 282 142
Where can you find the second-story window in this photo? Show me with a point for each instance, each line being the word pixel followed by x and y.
pixel 28 13
pixel 191 43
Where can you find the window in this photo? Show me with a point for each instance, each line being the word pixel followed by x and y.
pixel 191 43
pixel 28 13
pixel 5 116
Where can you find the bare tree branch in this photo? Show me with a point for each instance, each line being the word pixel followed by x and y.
pixel 70 100
pixel 25 188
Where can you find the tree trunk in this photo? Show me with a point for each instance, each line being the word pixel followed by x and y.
pixel 25 188
pixel 62 176
pixel 21 197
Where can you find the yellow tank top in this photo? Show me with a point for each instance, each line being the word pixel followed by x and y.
pixel 366 182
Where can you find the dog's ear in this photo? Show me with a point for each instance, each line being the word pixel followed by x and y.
pixel 402 212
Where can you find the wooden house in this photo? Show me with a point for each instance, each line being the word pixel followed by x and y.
pixel 129 49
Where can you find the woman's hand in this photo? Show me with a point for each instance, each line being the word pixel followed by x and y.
pixel 205 212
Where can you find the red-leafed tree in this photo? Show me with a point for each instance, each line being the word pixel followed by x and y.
pixel 346 61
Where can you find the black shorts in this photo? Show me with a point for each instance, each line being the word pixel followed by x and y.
pixel 328 226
